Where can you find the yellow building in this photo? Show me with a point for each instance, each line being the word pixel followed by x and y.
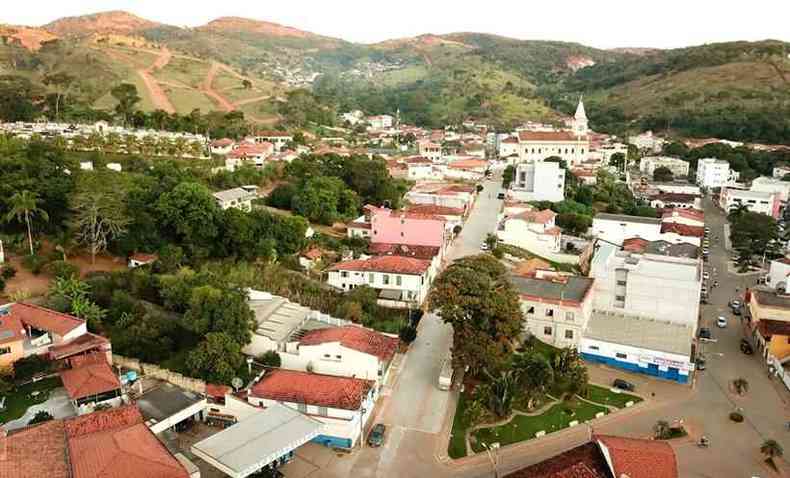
pixel 769 318
pixel 12 337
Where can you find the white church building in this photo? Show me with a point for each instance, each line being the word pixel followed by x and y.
pixel 572 146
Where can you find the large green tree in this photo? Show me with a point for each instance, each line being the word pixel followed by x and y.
pixel 126 96
pixel 212 309
pixel 216 359
pixel 752 232
pixel 475 296
pixel 191 215
pixel 24 207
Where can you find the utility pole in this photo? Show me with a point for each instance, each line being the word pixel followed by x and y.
pixel 493 456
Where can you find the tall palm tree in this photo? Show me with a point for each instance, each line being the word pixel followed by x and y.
pixel 771 449
pixel 24 206
pixel 661 430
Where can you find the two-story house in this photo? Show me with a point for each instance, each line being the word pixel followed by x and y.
pixel 400 281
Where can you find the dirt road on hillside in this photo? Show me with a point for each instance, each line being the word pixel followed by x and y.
pixel 206 88
pixel 158 95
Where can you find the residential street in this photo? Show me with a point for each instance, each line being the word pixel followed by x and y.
pixel 418 415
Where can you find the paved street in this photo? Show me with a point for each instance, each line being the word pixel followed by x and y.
pixel 418 414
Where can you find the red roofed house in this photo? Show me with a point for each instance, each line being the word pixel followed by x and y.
pixel 343 404
pixel 399 280
pixel 27 329
pixel 468 169
pixel 249 153
pixel 534 231
pixel 222 146
pixel 689 217
pixel 278 138
pixel 453 215
pixel 113 443
pixel 382 225
pixel 443 194
pixel 139 259
pixel 508 147
pixel 91 381
pixel 675 233
pixel 347 351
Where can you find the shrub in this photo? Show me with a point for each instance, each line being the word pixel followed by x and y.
pixel 737 417
pixel 34 263
pixel 407 334
pixel 2 284
pixel 8 272
pixel 40 417
pixel 270 358
pixel 63 270
pixel 26 368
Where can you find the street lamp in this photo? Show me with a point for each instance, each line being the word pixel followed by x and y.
pixel 493 456
pixel 362 412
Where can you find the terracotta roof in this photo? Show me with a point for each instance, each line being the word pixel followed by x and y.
pixel 510 140
pixel 144 257
pixel 81 344
pixel 638 458
pixel 217 391
pixel 219 143
pixel 314 253
pixel 769 328
pixel 11 328
pixel 36 451
pixel 553 231
pixel 435 210
pixel 538 217
pixel 682 229
pixel 418 160
pixel 688 213
pixel 405 250
pixel 635 244
pixel 527 268
pixel 585 461
pixel 312 389
pixel 45 319
pixel 93 376
pixel 356 338
pixel 116 443
pixel 385 264
pixel 674 197
pixel 251 149
pixel 469 164
pixel 546 136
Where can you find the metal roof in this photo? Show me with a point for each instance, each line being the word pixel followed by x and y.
pixel 640 332
pixel 258 440
pixel 573 290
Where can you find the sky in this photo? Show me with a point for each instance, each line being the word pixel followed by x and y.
pixel 602 23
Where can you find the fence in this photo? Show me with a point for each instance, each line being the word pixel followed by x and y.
pixel 157 372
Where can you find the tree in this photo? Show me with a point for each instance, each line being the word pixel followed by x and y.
pixel 617 160
pixel 663 174
pixel 41 416
pixel 661 430
pixel 216 359
pixel 501 390
pixel 771 449
pixel 270 358
pixel 127 97
pixel 535 374
pixel 99 217
pixel 508 175
pixel 191 215
pixel 246 84
pixel 215 310
pixel 24 205
pixel 62 83
pixel 491 241
pixel 475 296
pixel 752 232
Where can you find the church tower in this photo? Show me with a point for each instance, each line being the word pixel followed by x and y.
pixel 580 120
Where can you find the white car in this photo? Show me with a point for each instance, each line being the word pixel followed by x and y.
pixel 484 246
pixel 705 252
pixel 706 276
pixel 721 322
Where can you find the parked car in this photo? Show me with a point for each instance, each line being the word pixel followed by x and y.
pixel 735 304
pixel 706 275
pixel 623 384
pixel 721 322
pixel 746 347
pixel 500 196
pixel 705 334
pixel 484 246
pixel 701 364
pixel 376 436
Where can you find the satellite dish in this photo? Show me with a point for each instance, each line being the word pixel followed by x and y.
pixel 237 383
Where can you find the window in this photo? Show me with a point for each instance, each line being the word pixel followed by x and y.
pixel 621 356
pixel 386 279
pixel 398 280
pixel 569 334
pixel 619 298
pixel 5 350
pixel 549 312
pixel 302 407
pixel 339 357
pixel 370 278
pixel 322 411
pixel 621 283
pixel 594 347
pixel 569 316
pixel 546 330
pixel 344 274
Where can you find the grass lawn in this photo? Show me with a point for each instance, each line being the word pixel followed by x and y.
pixel 457 447
pixel 524 428
pixel 18 401
pixel 607 397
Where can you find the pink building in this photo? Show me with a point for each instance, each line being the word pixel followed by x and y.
pixel 411 229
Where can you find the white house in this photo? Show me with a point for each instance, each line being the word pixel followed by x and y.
pixel 222 146
pixel 639 344
pixel 647 142
pixel 239 198
pixel 777 274
pixel 539 145
pixel 277 138
pixel 347 351
pixel 767 203
pixel 430 150
pixel 649 164
pixel 420 168
pixel 771 185
pixel 343 404
pixel 538 181
pixel 714 173
pixel 249 153
pixel 615 228
pixel 400 281
pixel 555 307
pixel 652 285
pixel 139 259
pixel 534 231
pixel 508 147
pixel 380 121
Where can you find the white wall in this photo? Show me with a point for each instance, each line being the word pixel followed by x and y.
pixel 616 231
pixel 530 236
pixel 572 152
pixel 537 321
pixel 538 181
pixel 352 363
pixel 637 356
pixel 417 285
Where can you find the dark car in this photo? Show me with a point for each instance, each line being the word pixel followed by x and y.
pixel 704 333
pixel 746 347
pixel 623 384
pixel 701 364
pixel 500 196
pixel 376 437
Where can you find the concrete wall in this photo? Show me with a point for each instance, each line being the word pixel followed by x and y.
pixel 352 363
pixel 155 371
pixel 617 231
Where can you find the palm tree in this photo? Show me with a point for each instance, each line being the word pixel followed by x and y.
pixel 24 205
pixel 500 392
pixel 661 430
pixel 534 373
pixel 741 385
pixel 771 449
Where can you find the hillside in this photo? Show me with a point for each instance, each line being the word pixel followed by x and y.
pixel 104 22
pixel 737 90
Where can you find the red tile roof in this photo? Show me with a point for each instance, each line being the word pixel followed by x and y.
pixel 356 338
pixel 418 160
pixel 638 458
pixel 219 143
pixel 313 389
pixel 83 343
pixel 546 136
pixel 510 140
pixel 45 319
pixel 674 197
pixel 313 253
pixel 585 461
pixel 35 451
pixel 116 443
pixel 434 210
pixel 635 244
pixel 11 328
pixel 90 376
pixel 405 250
pixel 143 257
pixel 688 213
pixel 251 149
pixel 537 217
pixel 682 229
pixel 217 391
pixel 385 264
pixel 469 164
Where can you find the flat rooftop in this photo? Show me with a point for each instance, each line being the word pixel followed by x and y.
pixel 770 298
pixel 276 317
pixel 625 218
pixel 574 289
pixel 165 401
pixel 644 333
